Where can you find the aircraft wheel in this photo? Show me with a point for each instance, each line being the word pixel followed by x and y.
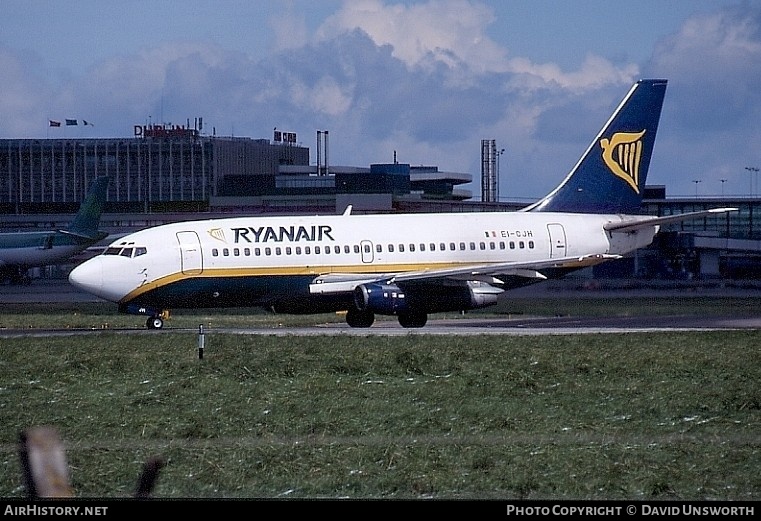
pixel 154 323
pixel 413 319
pixel 357 318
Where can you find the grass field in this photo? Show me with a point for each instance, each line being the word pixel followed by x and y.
pixel 605 416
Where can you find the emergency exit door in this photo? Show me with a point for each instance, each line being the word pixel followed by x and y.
pixel 557 240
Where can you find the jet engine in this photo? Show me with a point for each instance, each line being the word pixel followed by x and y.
pixel 424 297
pixel 386 299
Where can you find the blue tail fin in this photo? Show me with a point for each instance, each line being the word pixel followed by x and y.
pixel 86 221
pixel 610 176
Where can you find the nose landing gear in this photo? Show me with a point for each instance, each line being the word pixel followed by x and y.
pixel 157 321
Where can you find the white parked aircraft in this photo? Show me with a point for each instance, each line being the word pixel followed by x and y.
pixel 407 265
pixel 20 251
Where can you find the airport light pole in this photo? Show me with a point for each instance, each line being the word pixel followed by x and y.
pixel 752 170
pixel 722 186
pixel 696 181
pixel 496 186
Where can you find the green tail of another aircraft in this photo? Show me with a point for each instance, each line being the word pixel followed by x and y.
pixel 86 222
pixel 20 251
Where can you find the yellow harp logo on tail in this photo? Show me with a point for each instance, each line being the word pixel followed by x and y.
pixel 622 154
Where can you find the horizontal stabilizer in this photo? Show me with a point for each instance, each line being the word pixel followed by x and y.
pixel 639 223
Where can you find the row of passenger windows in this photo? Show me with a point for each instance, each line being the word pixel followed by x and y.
pixel 366 248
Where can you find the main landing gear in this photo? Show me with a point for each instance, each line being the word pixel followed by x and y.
pixel 357 318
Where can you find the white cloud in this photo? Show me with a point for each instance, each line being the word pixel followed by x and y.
pixel 446 31
pixel 709 129
pixel 715 59
pixel 595 72
pixel 326 96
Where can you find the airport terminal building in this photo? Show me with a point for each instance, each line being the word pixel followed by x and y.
pixel 167 173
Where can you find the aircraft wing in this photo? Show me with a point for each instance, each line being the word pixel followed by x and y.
pixel 646 222
pixel 488 273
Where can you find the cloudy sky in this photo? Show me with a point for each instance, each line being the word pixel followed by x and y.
pixel 426 79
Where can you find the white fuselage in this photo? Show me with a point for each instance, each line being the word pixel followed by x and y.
pixel 30 249
pixel 155 259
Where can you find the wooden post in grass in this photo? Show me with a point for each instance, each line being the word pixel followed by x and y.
pixel 46 473
pixel 148 478
pixel 43 463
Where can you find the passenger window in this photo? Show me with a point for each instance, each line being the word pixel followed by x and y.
pixel 214 252
pixel 298 250
pixel 268 251
pixel 391 248
pixel 236 252
pixel 531 244
pixel 336 249
pixel 226 252
pixel 378 248
pixel 247 252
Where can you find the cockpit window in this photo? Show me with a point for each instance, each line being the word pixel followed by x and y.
pixel 125 250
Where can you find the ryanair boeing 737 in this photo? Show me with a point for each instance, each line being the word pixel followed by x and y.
pixel 406 265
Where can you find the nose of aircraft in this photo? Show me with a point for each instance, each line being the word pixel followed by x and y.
pixel 88 276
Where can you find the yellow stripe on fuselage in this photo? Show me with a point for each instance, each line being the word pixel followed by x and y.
pixel 285 271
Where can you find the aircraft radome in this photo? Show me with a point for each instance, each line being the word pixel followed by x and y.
pixel 20 251
pixel 407 265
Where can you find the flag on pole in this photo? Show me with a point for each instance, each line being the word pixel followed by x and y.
pixel 70 122
pixel 54 123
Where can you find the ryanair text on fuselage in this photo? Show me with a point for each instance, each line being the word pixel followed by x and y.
pixel 283 233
